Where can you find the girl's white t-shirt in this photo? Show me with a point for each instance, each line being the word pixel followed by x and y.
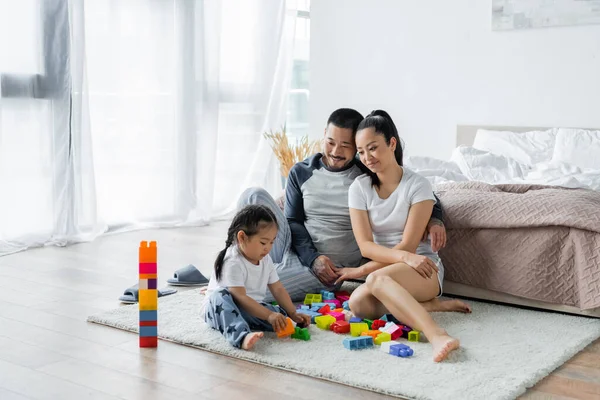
pixel 238 271
pixel 388 216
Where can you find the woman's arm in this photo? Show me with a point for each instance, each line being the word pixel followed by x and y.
pixel 416 223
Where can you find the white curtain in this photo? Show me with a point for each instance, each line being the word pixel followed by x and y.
pixel 121 115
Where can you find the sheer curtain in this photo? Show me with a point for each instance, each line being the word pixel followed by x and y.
pixel 141 113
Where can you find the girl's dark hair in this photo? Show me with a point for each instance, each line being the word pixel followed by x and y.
pixel 383 125
pixel 250 219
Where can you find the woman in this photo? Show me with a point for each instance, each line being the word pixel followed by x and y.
pixel 390 207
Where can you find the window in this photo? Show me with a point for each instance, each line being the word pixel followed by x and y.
pixel 297 114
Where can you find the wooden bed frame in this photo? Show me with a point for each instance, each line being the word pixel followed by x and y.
pixel 465 135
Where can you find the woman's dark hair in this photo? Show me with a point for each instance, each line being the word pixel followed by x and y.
pixel 383 125
pixel 250 219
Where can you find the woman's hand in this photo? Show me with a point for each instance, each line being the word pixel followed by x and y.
pixel 423 265
pixel 302 320
pixel 349 273
pixel 277 321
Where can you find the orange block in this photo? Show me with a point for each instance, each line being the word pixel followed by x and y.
pixel 373 334
pixel 147 276
pixel 288 330
pixel 339 310
pixel 148 253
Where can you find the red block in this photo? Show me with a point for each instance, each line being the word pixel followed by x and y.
pixel 148 323
pixel 378 323
pixel 149 341
pixel 147 268
pixel 325 309
pixel 340 327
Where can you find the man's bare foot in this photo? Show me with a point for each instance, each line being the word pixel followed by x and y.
pixel 442 346
pixel 251 339
pixel 448 305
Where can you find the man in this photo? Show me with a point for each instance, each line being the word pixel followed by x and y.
pixel 315 237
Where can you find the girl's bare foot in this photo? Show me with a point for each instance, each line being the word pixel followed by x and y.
pixel 251 339
pixel 448 305
pixel 443 344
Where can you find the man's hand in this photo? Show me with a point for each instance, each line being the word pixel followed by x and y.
pixel 325 270
pixel 350 273
pixel 437 230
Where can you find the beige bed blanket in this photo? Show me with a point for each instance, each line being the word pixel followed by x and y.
pixel 537 242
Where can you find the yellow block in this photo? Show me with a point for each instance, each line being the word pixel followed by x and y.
pixel 383 337
pixel 148 252
pixel 148 299
pixel 357 328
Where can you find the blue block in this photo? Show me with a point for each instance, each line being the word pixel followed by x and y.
pixel 401 350
pixel 357 343
pixel 346 305
pixel 326 295
pixel 355 320
pixel 319 305
pixel 311 314
pixel 149 315
pixel 148 331
pixel 384 318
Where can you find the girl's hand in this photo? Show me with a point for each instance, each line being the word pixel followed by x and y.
pixel 302 320
pixel 277 321
pixel 423 265
pixel 349 273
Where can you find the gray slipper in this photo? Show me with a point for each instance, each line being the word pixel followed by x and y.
pixel 188 276
pixel 130 295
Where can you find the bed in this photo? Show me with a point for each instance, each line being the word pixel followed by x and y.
pixel 522 210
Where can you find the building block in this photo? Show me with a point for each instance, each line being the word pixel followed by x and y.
pixel 340 293
pixel 394 330
pixel 357 328
pixel 301 334
pixel 340 310
pixel 368 322
pixel 147 253
pixel 355 320
pixel 148 276
pixel 150 315
pixel 312 298
pixel 326 295
pixel 378 324
pixel 382 337
pixel 340 327
pixel 145 284
pixel 373 334
pixel 335 302
pixel 151 341
pixel 357 343
pixel 147 268
pixel 342 299
pixel 303 307
pixel 337 315
pixel 274 303
pixel 325 309
pixel 405 330
pixel 346 305
pixel 383 317
pixel 148 299
pixel 148 323
pixel 319 304
pixel 288 330
pixel 324 321
pixel 348 315
pixel 385 346
pixel 146 331
pixel 413 336
pixel 401 350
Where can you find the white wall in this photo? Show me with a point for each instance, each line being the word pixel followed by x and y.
pixel 435 64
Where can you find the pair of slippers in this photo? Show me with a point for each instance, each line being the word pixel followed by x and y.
pixel 186 276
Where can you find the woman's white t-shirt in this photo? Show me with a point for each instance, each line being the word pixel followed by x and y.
pixel 388 216
pixel 238 271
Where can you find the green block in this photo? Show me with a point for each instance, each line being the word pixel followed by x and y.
pixel 274 303
pixel 301 334
pixel 369 322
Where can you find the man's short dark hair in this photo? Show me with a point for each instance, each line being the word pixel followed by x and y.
pixel 345 118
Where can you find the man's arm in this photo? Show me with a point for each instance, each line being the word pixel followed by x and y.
pixel 437 215
pixel 294 212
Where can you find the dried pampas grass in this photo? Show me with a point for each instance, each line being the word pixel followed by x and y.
pixel 289 154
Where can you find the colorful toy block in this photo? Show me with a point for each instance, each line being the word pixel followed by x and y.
pixel 373 334
pixel 394 330
pixel 325 309
pixel 319 304
pixel 337 315
pixel 348 315
pixel 147 294
pixel 327 295
pixel 401 350
pixel 357 328
pixel 358 343
pixel 288 330
pixel 383 317
pixel 355 320
pixel 274 303
pixel 340 327
pixel 378 324
pixel 303 307
pixel 382 337
pixel 368 322
pixel 312 298
pixel 301 334
pixel 338 310
pixel 405 330
pixel 346 305
pixel 413 336
pixel 335 302
pixel 324 321
pixel 341 293
pixel 342 299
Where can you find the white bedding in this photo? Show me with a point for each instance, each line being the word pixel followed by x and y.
pixel 542 166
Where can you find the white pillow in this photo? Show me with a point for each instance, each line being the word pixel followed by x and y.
pixel 484 166
pixel 579 147
pixel 525 147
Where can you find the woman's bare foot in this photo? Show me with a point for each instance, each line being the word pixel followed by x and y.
pixel 448 305
pixel 443 344
pixel 251 339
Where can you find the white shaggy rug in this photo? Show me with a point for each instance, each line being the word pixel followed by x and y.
pixel 504 350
